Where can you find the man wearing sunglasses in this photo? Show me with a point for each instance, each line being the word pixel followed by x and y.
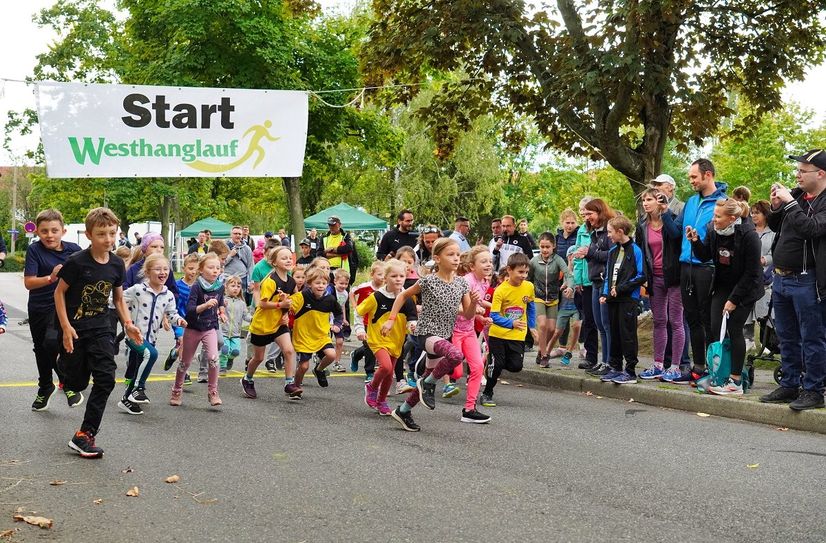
pixel 400 235
pixel 799 285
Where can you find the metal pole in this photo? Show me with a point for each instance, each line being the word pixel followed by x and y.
pixel 14 208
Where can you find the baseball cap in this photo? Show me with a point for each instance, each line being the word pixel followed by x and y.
pixel 664 178
pixel 268 234
pixel 815 157
pixel 332 219
pixel 305 241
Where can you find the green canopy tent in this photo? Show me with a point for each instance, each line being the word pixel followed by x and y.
pixel 351 219
pixel 219 229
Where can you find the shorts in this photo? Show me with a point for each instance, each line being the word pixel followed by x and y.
pixel 266 339
pixel 565 316
pixel 507 354
pixel 545 310
pixel 304 357
pixel 344 333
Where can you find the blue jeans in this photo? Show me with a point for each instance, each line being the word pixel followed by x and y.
pixel 603 323
pixel 799 322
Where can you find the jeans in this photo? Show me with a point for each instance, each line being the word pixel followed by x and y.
pixel 602 321
pixel 799 322
pixel 695 289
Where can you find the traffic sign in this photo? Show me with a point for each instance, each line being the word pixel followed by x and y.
pixel 12 231
pixel 30 227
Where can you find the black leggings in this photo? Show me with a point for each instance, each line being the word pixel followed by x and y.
pixel 736 320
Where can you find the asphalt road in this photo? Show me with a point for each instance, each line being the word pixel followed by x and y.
pixel 550 466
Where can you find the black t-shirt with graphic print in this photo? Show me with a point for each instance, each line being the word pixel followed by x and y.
pixel 90 287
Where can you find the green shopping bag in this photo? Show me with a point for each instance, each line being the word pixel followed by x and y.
pixel 718 357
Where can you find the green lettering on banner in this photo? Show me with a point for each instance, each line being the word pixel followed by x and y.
pixel 110 148
pixel 87 150
pixel 160 149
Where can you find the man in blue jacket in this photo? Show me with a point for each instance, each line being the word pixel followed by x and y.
pixel 696 276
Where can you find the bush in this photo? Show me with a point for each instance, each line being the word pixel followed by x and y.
pixel 366 255
pixel 15 262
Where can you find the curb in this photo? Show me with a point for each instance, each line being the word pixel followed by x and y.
pixel 779 416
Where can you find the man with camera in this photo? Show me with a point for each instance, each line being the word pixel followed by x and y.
pixel 799 285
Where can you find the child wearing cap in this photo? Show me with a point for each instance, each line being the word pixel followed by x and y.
pixel 306 253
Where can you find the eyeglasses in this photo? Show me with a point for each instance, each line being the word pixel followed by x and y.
pixel 801 172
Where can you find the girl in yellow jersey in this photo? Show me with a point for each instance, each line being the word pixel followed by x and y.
pixel 387 348
pixel 311 329
pixel 269 324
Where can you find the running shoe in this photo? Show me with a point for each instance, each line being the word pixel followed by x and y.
pixel 222 372
pixel 728 389
pixel 556 353
pixel 808 399
pixel 294 391
pixel 354 365
pixel 368 377
pixel 203 378
pixel 248 388
pixel 187 380
pixel 683 379
pixel 695 375
pixel 84 444
pixel 487 400
pixel 546 362
pixel 427 393
pixel 384 409
pixel 602 371
pixel 598 367
pixel 338 368
pixel 450 390
pixel 403 387
pixel 624 378
pixel 44 396
pixel 566 358
pixel 321 377
pixel 170 359
pixel 175 398
pixel 138 395
pixel 214 399
pixel 587 365
pixel 474 417
pixel 610 376
pixel 230 362
pixel 370 396
pixel 279 362
pixel 781 395
pixel 406 420
pixel 651 373
pixel 270 365
pixel 74 399
pixel 669 375
pixel 411 383
pixel 128 406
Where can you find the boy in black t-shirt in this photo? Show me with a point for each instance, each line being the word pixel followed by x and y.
pixel 86 281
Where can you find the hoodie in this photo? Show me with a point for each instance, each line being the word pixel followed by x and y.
pixel 583 239
pixel 697 213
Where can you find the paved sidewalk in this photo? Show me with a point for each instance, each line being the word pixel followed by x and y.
pixel 683 397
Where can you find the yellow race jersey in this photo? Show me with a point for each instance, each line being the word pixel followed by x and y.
pixel 511 303
pixel 376 308
pixel 311 329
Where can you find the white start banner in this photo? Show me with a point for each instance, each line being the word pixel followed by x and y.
pixel 145 131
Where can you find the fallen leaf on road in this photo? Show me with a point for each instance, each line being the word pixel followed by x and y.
pixel 598 397
pixel 518 385
pixel 172 479
pixel 782 429
pixel 752 466
pixel 57 483
pixel 504 382
pixel 589 393
pixel 127 470
pixel 6 534
pixel 133 492
pixel 704 415
pixel 43 522
pixel 630 400
pixel 98 501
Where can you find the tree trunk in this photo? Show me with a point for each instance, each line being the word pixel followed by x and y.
pixel 292 187
pixel 166 213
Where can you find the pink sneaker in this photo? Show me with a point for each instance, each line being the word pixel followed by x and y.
pixel 384 409
pixel 370 395
pixel 556 353
pixel 175 399
pixel 214 399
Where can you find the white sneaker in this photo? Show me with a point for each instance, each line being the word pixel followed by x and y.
pixel 402 387
pixel 728 389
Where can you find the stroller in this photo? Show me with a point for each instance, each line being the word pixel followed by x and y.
pixel 770 343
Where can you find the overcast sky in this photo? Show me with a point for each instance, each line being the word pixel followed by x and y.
pixel 21 40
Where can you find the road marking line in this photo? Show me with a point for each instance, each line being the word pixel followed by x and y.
pixel 171 377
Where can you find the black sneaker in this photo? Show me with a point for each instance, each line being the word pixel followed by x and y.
pixel 596 368
pixel 475 417
pixel 427 393
pixel 270 365
pixel 187 380
pixel 587 365
pixel 130 407
pixel 74 399
pixel 44 396
pixel 321 377
pixel 170 359
pixel 229 363
pixel 604 370
pixel 781 395
pixel 808 399
pixel 406 420
pixel 84 444
pixel 279 362
pixel 138 396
